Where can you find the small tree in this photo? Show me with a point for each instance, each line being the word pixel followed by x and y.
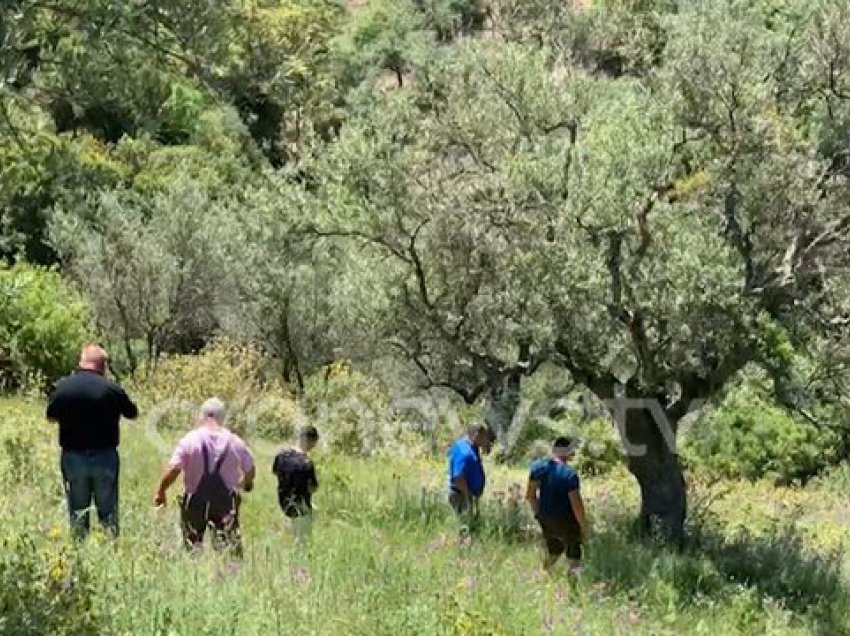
pixel 292 295
pixel 151 268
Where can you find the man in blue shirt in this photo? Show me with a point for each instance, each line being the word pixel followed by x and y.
pixel 466 472
pixel 555 499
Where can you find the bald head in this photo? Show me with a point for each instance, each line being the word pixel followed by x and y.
pixel 93 358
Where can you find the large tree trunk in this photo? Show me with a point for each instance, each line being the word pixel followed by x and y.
pixel 501 408
pixel 649 437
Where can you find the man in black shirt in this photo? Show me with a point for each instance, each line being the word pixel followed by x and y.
pixel 88 408
pixel 296 482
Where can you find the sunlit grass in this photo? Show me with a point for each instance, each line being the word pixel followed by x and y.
pixel 385 559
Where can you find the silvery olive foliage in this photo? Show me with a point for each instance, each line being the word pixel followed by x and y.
pixel 650 195
pixel 653 231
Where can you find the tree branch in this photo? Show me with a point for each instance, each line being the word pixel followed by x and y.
pixel 356 234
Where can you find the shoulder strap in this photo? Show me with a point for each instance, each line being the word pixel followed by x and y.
pixel 220 462
pixel 206 454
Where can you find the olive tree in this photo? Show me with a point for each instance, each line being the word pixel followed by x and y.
pixel 653 236
pixel 152 268
pixel 299 298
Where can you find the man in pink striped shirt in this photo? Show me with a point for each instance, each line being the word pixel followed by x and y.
pixel 216 464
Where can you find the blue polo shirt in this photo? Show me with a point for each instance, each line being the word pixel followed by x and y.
pixel 557 480
pixel 465 461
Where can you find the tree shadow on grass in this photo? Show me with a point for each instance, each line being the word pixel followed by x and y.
pixel 714 564
pixel 778 566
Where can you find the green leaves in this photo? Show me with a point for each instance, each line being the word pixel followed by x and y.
pixel 627 189
pixel 151 266
pixel 43 323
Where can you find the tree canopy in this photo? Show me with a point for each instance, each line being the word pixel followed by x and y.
pixel 652 195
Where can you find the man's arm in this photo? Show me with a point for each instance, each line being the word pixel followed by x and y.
pixel 578 509
pixel 314 482
pixel 55 406
pixel 531 497
pixel 247 466
pixel 128 407
pixel 248 479
pixel 168 478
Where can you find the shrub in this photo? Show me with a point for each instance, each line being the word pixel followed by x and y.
pixel 534 441
pixel 599 446
pixel 43 323
pixel 44 590
pixel 451 17
pixel 180 113
pixel 350 409
pixel 175 386
pixel 748 437
pixel 600 450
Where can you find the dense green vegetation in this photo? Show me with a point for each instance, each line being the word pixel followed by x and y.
pixel 552 215
pixel 385 557
pixel 42 322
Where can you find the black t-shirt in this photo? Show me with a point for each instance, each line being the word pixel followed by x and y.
pixel 88 408
pixel 296 481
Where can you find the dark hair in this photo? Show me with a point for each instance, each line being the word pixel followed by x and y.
pixel 309 433
pixel 564 442
pixel 478 428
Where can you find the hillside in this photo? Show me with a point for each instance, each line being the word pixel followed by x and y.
pixel 621 221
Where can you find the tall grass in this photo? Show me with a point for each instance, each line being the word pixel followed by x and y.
pixel 386 558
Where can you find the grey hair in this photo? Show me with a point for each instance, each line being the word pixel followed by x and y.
pixel 213 408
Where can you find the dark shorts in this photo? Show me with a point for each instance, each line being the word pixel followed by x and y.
pixel 293 511
pixel 562 536
pixel 461 505
pixel 458 502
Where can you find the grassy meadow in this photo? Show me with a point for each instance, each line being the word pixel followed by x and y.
pixel 385 558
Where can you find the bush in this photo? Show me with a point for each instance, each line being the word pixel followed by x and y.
pixel 43 323
pixel 44 590
pixel 600 450
pixel 534 441
pixel 350 409
pixel 180 113
pixel 748 437
pixel 175 386
pixel 449 18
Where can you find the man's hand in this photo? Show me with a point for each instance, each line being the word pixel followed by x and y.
pixel 168 477
pixel 248 479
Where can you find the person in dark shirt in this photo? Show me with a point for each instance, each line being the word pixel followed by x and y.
pixel 296 482
pixel 553 493
pixel 88 408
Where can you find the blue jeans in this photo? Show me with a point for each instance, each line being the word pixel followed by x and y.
pixel 91 475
